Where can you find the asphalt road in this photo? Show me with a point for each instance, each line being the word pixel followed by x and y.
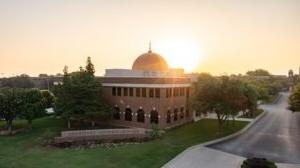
pixel 276 136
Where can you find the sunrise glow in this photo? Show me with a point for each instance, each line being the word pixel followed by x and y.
pixel 181 53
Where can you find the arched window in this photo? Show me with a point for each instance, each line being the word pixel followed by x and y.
pixel 140 115
pixel 116 113
pixel 128 115
pixel 168 116
pixel 175 114
pixel 181 112
pixel 187 112
pixel 154 117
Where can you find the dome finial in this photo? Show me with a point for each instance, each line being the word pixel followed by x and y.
pixel 150 47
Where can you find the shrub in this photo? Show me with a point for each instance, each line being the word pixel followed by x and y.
pixel 258 163
pixel 155 133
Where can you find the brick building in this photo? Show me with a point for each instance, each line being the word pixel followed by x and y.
pixel 149 93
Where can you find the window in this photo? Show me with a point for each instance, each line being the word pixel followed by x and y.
pixel 151 92
pixel 114 91
pixel 181 91
pixel 168 116
pixel 144 92
pixel 175 114
pixel 128 115
pixel 176 92
pixel 131 92
pixel 125 91
pixel 187 92
pixel 157 92
pixel 167 92
pixel 119 91
pixel 140 116
pixel 187 112
pixel 181 112
pixel 154 117
pixel 138 92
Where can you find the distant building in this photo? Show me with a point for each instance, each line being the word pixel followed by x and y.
pixel 149 93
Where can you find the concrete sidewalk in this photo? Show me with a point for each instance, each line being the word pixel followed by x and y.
pixel 203 157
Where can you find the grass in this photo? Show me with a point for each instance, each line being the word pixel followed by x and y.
pixel 25 149
pixel 17 125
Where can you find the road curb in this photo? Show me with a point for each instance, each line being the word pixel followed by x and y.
pixel 168 164
pixel 237 133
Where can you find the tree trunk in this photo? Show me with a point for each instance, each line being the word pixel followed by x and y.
pixel 30 124
pixel 220 121
pixel 69 124
pixel 7 125
pixel 10 127
pixel 93 123
pixel 227 121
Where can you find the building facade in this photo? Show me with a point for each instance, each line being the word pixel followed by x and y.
pixel 148 94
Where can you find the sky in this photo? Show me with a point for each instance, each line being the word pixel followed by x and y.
pixel 215 36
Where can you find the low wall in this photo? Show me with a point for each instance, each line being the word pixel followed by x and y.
pixel 100 134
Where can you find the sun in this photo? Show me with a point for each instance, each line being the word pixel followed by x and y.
pixel 181 53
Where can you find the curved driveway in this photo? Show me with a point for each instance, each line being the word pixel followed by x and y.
pixel 276 136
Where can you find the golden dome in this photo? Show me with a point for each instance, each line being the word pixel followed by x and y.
pixel 150 62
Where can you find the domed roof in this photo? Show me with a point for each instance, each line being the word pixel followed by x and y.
pixel 150 62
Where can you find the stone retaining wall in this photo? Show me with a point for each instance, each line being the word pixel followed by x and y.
pixel 101 134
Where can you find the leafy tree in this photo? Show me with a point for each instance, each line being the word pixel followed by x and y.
pixel 80 95
pixel 233 96
pixel 10 105
pixel 207 96
pixel 223 96
pixel 90 69
pixel 252 97
pixel 267 87
pixel 33 105
pixel 259 72
pixel 294 99
pixel 48 98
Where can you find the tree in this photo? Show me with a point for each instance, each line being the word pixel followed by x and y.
pixel 207 96
pixel 267 87
pixel 233 96
pixel 10 105
pixel 80 95
pixel 48 98
pixel 33 105
pixel 252 97
pixel 223 96
pixel 90 69
pixel 294 99
pixel 258 72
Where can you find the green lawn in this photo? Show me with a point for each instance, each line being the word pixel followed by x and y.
pixel 24 150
